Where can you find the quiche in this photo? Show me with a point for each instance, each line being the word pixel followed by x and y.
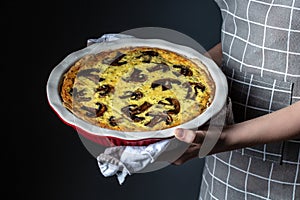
pixel 137 89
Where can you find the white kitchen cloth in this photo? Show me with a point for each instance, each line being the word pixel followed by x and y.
pixel 108 37
pixel 126 160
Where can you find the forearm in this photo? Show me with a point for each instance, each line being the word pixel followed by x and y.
pixel 281 125
pixel 215 53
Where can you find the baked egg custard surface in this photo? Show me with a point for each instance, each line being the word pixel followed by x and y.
pixel 137 89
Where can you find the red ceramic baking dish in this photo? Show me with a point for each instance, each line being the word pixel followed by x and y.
pixel 108 137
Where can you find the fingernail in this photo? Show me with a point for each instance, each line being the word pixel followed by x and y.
pixel 179 133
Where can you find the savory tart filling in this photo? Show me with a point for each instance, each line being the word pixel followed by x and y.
pixel 137 89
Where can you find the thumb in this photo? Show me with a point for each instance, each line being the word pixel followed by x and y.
pixel 189 136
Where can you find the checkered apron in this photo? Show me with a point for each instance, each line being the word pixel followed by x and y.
pixel 261 59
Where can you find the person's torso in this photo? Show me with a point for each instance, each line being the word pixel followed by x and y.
pixel 261 59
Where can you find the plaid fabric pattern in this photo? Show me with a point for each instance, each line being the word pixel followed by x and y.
pixel 261 59
pixel 232 176
pixel 253 96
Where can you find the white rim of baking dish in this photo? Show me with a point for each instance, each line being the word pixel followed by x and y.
pixel 55 79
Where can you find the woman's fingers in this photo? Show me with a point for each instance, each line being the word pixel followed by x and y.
pixel 189 136
pixel 190 153
pixel 195 138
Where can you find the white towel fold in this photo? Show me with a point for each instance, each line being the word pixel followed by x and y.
pixel 126 160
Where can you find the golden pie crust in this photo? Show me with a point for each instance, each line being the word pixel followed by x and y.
pixel 137 89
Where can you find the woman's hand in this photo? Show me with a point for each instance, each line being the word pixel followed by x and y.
pixel 195 138
pixel 280 125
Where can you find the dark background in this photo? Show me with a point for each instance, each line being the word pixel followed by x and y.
pixel 50 159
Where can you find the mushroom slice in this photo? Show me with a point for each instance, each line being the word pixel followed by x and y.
pixel 95 112
pixel 136 76
pixel 79 95
pixel 113 121
pixel 104 90
pixel 184 70
pixel 132 95
pixel 165 83
pixel 146 56
pixel 87 73
pixel 117 60
pixel 132 111
pixel 171 102
pixel 140 109
pixel 157 118
pixel 160 66
pixel 197 86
